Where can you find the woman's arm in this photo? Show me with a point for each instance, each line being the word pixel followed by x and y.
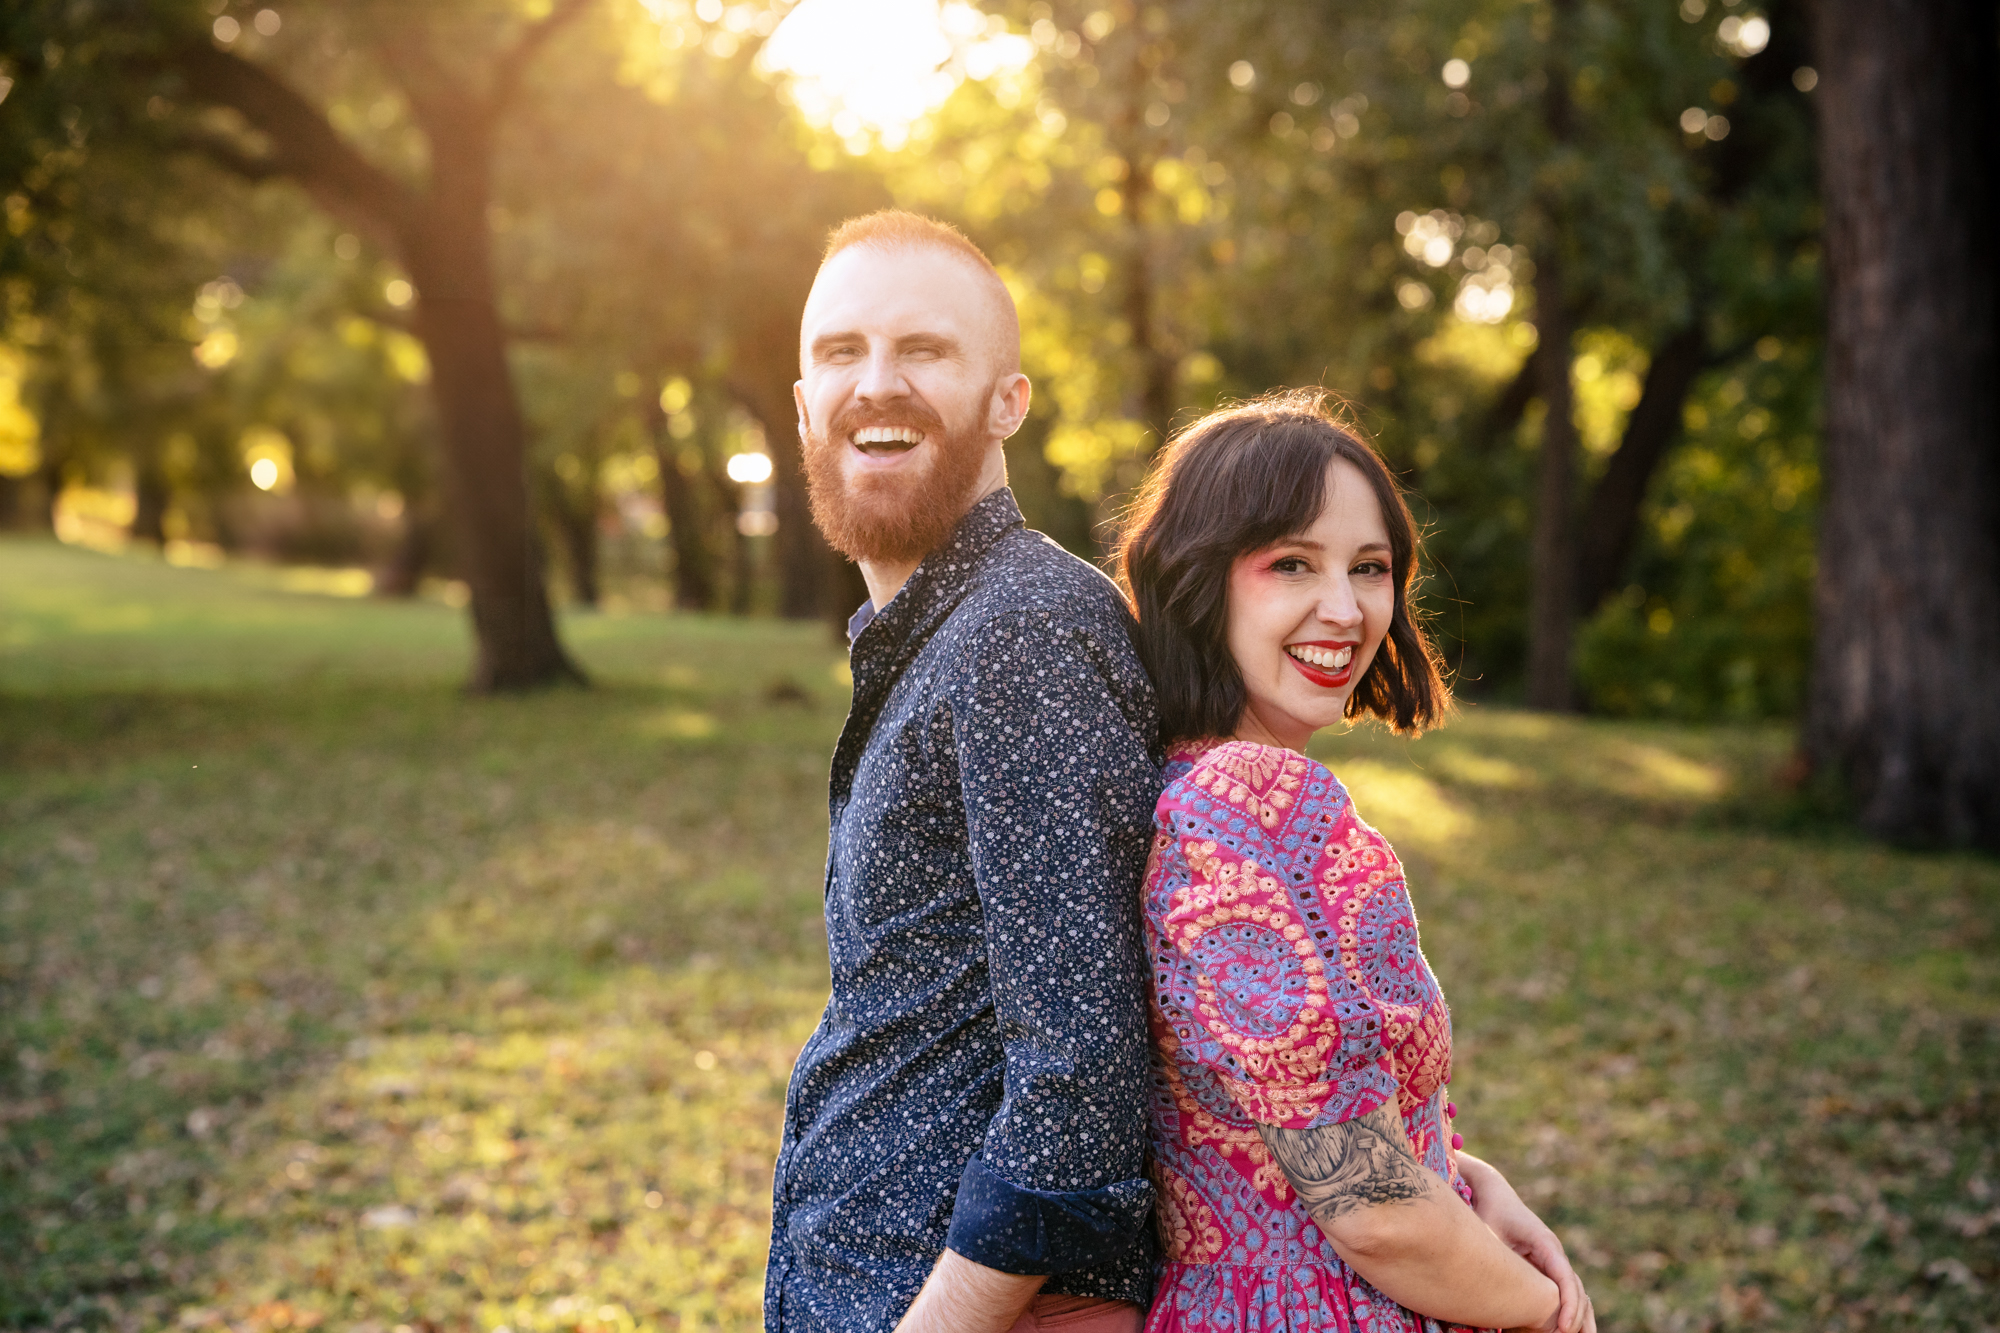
pixel 1401 1227
pixel 1500 1208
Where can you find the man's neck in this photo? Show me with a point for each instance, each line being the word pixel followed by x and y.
pixel 885 578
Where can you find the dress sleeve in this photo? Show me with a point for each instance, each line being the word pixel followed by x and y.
pixel 1250 946
pixel 1059 791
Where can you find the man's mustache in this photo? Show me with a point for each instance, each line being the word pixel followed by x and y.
pixel 903 414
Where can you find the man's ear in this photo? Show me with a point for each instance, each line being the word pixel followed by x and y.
pixel 1010 405
pixel 799 400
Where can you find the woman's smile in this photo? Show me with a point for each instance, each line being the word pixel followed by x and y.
pixel 1323 663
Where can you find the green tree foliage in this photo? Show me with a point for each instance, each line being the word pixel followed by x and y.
pixel 1192 202
pixel 1202 202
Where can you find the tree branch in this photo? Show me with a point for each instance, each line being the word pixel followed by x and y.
pixel 305 146
pixel 1611 518
pixel 513 64
pixel 1505 414
pixel 253 167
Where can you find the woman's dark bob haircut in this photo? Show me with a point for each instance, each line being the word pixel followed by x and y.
pixel 1234 482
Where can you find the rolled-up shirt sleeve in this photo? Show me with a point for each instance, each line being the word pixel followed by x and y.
pixel 1059 790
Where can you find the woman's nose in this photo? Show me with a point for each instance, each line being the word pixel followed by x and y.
pixel 1337 605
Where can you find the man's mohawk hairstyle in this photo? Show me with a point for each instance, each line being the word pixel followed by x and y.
pixel 896 229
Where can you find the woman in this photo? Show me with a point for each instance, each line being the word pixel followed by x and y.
pixel 1308 1175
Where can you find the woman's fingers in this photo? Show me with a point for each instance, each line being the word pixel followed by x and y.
pixel 1550 1258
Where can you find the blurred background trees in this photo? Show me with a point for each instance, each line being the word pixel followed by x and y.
pixel 478 294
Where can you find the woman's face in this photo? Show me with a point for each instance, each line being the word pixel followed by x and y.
pixel 1307 613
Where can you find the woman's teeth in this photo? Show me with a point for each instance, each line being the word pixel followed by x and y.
pixel 1327 659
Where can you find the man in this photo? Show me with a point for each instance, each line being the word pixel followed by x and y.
pixel 965 1131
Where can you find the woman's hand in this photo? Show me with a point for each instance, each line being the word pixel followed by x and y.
pixel 1501 1209
pixel 1399 1225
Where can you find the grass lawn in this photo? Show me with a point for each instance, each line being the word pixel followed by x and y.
pixel 330 996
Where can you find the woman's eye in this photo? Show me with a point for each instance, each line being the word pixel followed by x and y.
pixel 1290 564
pixel 1371 569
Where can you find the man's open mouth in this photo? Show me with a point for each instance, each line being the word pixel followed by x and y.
pixel 881 441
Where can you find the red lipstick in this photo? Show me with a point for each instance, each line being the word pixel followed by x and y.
pixel 1331 680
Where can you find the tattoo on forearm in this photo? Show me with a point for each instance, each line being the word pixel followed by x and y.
pixel 1357 1163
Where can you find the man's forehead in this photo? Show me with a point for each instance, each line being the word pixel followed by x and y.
pixel 901 290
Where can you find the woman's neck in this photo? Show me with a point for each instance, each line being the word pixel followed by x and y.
pixel 1251 727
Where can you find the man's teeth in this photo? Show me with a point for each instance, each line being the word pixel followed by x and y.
pixel 888 435
pixel 1330 659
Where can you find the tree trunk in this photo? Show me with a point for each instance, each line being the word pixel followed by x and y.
pixel 694 579
pixel 576 521
pixel 405 570
pixel 1904 707
pixel 149 484
pixel 1552 601
pixel 809 586
pixel 440 231
pixel 1610 527
pixel 55 462
pixel 1153 397
pixel 484 450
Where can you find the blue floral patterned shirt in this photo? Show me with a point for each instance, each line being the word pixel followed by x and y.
pixel 979 1078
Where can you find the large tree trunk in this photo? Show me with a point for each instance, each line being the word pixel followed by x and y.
pixel 1905 700
pixel 485 452
pixel 440 231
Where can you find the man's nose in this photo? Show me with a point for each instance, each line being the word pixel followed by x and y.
pixel 881 378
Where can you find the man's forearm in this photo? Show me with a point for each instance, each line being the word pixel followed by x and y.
pixel 961 1296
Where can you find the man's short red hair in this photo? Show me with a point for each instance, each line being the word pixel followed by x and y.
pixel 896 229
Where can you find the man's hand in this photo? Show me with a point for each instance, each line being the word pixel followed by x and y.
pixel 1502 1210
pixel 961 1296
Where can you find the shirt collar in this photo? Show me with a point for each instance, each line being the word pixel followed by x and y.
pixel 942 576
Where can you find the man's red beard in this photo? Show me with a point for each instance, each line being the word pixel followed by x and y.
pixel 895 516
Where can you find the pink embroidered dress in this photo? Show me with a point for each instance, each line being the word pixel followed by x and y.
pixel 1288 989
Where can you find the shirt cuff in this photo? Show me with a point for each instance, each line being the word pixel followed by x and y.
pixel 1022 1231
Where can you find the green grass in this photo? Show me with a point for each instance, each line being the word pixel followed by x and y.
pixel 331 996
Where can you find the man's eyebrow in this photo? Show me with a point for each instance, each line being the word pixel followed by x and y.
pixel 826 340
pixel 944 341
